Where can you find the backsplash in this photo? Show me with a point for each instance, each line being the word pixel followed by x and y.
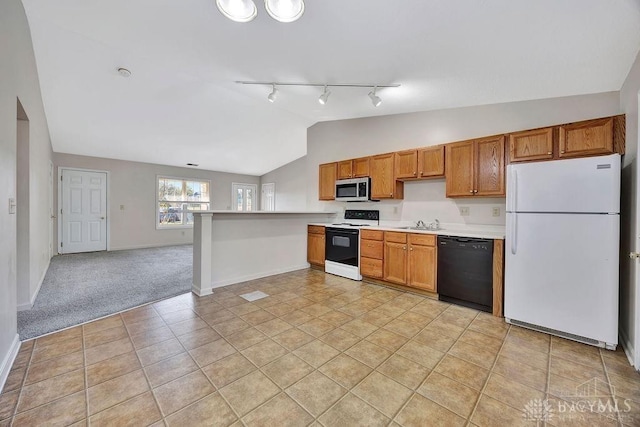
pixel 426 200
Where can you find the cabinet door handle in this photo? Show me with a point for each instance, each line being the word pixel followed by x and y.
pixel 415 173
pixel 471 191
pixel 411 248
pixel 550 153
pixel 562 152
pixel 391 194
pixel 404 248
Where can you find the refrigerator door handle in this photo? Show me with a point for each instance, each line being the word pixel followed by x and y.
pixel 514 194
pixel 514 234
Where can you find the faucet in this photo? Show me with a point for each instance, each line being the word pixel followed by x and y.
pixel 421 224
pixel 435 225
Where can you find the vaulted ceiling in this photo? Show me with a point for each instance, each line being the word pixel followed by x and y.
pixel 182 104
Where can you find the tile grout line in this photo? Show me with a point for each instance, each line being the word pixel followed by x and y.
pixel 611 387
pixel 142 368
pixel 14 412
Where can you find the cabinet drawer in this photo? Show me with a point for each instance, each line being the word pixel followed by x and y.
pixel 422 239
pixel 372 234
pixel 371 248
pixel 315 229
pixel 371 267
pixel 392 236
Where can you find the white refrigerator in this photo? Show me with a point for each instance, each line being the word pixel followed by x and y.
pixel 562 248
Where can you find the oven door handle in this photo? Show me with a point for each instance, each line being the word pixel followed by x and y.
pixel 340 231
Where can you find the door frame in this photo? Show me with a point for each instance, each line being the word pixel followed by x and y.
pixel 52 209
pixel 59 215
pixel 254 202
pixel 262 198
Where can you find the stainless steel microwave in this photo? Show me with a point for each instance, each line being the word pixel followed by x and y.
pixel 353 190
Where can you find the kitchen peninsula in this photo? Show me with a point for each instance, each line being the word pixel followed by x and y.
pixel 232 247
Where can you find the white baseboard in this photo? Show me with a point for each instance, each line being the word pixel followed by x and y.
pixel 260 275
pixel 27 306
pixel 627 346
pixel 7 361
pixel 147 246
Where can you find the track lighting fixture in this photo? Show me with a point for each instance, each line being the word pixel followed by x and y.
pixel 273 94
pixel 375 99
pixel 325 96
pixel 284 10
pixel 238 10
pixel 246 10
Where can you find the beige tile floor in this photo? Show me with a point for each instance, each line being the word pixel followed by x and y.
pixel 320 350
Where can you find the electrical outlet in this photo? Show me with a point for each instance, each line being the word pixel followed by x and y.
pixel 464 210
pixel 495 211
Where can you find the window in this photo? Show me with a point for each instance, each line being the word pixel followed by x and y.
pixel 243 197
pixel 178 198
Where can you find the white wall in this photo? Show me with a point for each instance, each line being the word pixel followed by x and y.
pixel 133 185
pixel 291 185
pixel 629 310
pixel 344 139
pixel 20 81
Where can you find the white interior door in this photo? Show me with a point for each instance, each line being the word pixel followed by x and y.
pixel 84 211
pixel 268 197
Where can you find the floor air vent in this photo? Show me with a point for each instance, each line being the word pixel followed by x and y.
pixel 560 334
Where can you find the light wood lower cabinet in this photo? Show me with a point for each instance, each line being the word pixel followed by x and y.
pixel 371 253
pixel 422 262
pixel 315 245
pixel 410 259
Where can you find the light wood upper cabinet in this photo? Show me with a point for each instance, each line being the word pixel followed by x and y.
pixel 406 164
pixel 460 169
pixel 475 168
pixel 422 262
pixel 327 181
pixel 431 162
pixel 529 145
pixel 315 245
pixel 345 169
pixel 490 167
pixel 356 168
pixel 383 182
pixel 586 138
pixel 360 167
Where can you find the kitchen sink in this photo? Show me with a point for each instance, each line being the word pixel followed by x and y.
pixel 419 228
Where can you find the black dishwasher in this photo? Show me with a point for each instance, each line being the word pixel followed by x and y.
pixel 465 271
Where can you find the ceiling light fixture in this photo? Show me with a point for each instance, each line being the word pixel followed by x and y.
pixel 325 96
pixel 375 99
pixel 284 10
pixel 238 10
pixel 246 10
pixel 274 93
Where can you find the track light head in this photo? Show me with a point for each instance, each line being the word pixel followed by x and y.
pixel 238 10
pixel 325 96
pixel 274 93
pixel 375 99
pixel 284 10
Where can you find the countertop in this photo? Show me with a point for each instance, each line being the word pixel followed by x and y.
pixel 459 230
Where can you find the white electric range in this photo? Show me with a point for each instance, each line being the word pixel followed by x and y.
pixel 342 243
